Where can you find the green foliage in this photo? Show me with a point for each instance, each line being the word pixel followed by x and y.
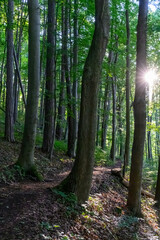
pixel 46 225
pixel 66 198
pixel 60 146
pixel 33 172
pixel 39 139
pixel 102 157
pixel 150 175
pixel 69 200
pixel 12 173
pixel 127 221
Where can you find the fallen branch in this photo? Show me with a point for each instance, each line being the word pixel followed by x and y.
pixel 118 172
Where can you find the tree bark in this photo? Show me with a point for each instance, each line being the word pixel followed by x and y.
pixel 9 121
pixel 71 142
pixel 150 157
pixel 61 107
pixel 127 142
pixel 134 194
pixel 42 71
pixel 26 157
pixel 75 80
pixel 49 124
pixel 106 109
pixel 157 194
pixel 113 147
pixel 107 102
pixel 79 180
pixel 2 70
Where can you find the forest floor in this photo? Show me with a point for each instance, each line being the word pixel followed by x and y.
pixel 32 210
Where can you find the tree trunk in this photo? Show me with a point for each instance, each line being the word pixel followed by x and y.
pixel 107 102
pixel 134 194
pixel 50 81
pixel 98 115
pixel 79 180
pixel 61 107
pixel 120 134
pixel 113 147
pixel 114 86
pixel 71 142
pixel 9 122
pixel 127 142
pixel 75 80
pixel 106 108
pixel 157 194
pixel 2 71
pixel 150 157
pixel 26 157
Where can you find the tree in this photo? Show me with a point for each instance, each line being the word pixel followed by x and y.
pixel 114 97
pixel 134 194
pixel 9 122
pixel 71 139
pixel 61 108
pixel 75 81
pixel 49 124
pixel 79 180
pixel 26 157
pixel 157 194
pixel 127 142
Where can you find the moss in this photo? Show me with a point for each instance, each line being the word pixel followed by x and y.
pixel 32 171
pixel 35 173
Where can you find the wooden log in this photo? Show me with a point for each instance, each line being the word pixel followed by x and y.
pixel 118 172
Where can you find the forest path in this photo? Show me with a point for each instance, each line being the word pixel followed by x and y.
pixel 30 210
pixel 49 182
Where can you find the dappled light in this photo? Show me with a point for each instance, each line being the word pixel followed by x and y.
pixel 79 120
pixel 150 77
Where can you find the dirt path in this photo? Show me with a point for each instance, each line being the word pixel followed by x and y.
pixel 30 210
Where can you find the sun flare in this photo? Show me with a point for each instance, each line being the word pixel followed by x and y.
pixel 150 77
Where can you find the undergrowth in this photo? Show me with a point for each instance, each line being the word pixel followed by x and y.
pixel 69 200
pixel 12 173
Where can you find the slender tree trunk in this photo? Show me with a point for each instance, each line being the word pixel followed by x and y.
pixel 2 71
pixel 107 103
pixel 113 147
pixel 127 142
pixel 61 107
pixel 9 122
pixel 120 134
pixel 79 180
pixel 71 142
pixel 26 157
pixel 106 108
pixel 114 97
pixel 150 157
pixel 157 194
pixel 134 194
pixel 50 81
pixel 42 72
pixel 75 80
pixel 19 77
pixel 98 115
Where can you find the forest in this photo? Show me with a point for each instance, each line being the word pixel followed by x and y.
pixel 79 119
